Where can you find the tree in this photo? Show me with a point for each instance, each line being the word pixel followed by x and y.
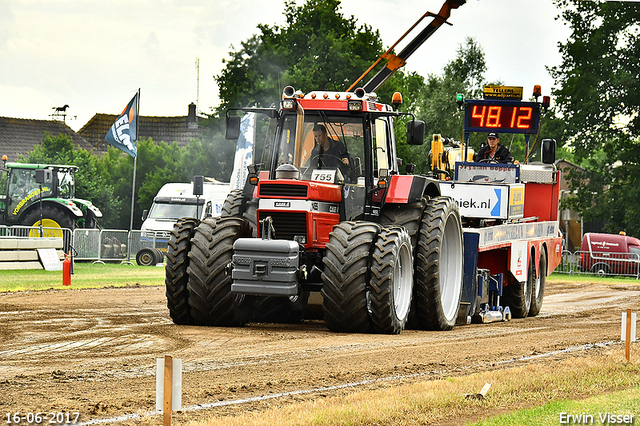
pixel 598 96
pixel 317 49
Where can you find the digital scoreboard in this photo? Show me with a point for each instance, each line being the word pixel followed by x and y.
pixel 501 115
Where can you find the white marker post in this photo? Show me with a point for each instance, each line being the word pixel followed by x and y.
pixel 168 387
pixel 628 332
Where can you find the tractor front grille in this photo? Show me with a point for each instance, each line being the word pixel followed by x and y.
pixel 283 190
pixel 287 224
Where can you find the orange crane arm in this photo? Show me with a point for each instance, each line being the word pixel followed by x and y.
pixel 394 62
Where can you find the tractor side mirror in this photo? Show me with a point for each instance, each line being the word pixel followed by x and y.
pixel 145 214
pixel 548 151
pixel 233 127
pixel 415 132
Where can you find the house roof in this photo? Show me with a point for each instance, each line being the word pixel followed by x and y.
pixel 168 129
pixel 20 135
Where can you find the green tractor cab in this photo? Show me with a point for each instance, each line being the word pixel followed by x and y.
pixel 35 193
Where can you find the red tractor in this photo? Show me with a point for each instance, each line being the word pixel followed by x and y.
pixel 329 215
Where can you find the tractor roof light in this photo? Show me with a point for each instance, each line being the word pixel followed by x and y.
pixel 289 104
pixel 396 100
pixel 546 102
pixel 355 105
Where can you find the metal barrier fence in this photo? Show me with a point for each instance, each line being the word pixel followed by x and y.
pixel 104 245
pixel 600 263
pixel 107 245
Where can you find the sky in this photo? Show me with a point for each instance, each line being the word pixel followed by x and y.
pixel 94 55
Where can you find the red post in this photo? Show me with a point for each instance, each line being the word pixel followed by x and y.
pixel 66 271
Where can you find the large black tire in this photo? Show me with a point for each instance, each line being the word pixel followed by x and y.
pixel 53 216
pixel 391 280
pixel 439 265
pixel 176 276
pixel 159 256
pixel 287 310
pixel 601 269
pixel 517 295
pixel 251 216
pixel 233 205
pixel 144 257
pixel 210 297
pixel 345 277
pixel 538 288
pixel 408 216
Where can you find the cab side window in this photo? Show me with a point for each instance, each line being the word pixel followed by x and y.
pixel 380 151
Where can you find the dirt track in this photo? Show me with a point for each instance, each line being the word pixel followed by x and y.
pixel 94 351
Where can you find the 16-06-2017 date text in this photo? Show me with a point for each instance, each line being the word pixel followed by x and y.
pixel 42 418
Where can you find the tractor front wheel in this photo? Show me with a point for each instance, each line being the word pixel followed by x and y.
pixel 176 276
pixel 210 296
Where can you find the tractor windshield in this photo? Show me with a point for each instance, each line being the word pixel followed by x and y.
pixel 326 143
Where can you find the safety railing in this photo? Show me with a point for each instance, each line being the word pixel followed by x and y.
pixel 103 245
pixel 600 263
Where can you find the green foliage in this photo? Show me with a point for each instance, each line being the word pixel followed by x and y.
pixel 598 98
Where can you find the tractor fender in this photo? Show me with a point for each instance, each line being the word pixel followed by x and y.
pixel 53 201
pixel 89 206
pixel 405 189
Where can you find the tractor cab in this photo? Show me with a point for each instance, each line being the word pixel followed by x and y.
pixel 334 147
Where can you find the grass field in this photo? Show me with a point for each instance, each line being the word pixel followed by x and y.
pixel 532 394
pixel 86 275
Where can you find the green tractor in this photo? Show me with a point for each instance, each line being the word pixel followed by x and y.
pixel 43 194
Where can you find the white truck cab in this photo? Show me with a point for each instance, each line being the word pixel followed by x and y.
pixel 172 202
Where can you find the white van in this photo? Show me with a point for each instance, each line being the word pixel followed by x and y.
pixel 172 202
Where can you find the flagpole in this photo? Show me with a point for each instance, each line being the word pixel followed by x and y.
pixel 135 163
pixel 133 185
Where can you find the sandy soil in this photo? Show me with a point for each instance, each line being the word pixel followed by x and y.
pixel 94 352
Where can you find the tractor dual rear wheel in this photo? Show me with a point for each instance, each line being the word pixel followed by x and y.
pixel 176 276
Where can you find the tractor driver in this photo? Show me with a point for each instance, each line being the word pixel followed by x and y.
pixel 330 152
pixel 493 152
